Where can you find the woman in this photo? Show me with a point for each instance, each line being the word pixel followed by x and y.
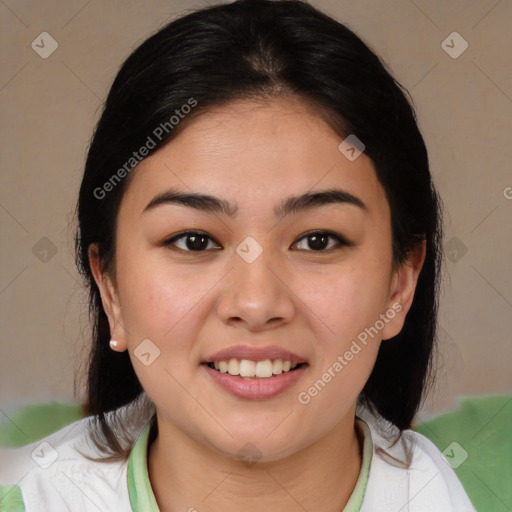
pixel 261 238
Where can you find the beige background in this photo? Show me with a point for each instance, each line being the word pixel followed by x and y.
pixel 50 106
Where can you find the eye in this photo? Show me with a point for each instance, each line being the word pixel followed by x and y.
pixel 318 240
pixel 194 241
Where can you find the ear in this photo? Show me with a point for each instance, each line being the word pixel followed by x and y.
pixel 403 286
pixel 109 298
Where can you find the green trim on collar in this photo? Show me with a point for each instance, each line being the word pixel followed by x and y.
pixel 140 491
pixel 356 498
pixel 141 494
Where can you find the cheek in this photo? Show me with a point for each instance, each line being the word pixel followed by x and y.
pixel 156 296
pixel 161 307
pixel 169 305
pixel 347 300
pixel 149 306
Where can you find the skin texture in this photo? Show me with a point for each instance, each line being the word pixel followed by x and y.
pixel 313 303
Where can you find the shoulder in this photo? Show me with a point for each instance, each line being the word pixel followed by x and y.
pixel 409 474
pixel 55 473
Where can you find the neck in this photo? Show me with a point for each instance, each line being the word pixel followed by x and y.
pixel 187 475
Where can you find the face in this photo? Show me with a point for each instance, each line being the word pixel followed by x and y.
pixel 255 282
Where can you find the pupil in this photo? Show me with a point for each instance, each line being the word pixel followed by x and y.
pixel 197 242
pixel 315 239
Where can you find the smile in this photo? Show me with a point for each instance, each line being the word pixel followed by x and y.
pixel 247 368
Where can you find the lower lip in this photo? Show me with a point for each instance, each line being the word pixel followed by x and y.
pixel 255 389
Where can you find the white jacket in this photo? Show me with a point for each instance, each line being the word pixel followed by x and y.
pixel 51 475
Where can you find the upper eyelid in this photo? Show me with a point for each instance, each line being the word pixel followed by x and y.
pixel 341 240
pixel 174 238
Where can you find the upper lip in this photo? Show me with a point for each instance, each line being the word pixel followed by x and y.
pixel 254 354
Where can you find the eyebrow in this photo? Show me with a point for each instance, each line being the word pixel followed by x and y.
pixel 291 205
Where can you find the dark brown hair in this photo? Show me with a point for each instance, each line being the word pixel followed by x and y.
pixel 262 48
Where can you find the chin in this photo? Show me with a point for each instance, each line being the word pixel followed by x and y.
pixel 256 448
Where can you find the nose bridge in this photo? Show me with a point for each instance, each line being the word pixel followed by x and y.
pixel 255 292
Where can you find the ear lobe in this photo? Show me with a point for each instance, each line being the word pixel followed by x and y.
pixel 109 298
pixel 402 289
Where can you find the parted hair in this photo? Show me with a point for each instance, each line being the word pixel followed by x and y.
pixel 261 49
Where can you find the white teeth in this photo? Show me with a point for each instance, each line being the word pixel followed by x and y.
pixel 264 369
pixel 277 367
pixel 233 367
pixel 249 369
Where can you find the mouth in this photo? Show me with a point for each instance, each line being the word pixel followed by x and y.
pixel 249 369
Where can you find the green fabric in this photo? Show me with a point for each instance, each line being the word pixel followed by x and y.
pixel 356 499
pixel 481 428
pixel 33 422
pixel 476 439
pixel 141 494
pixel 11 499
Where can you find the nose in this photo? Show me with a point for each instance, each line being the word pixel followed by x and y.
pixel 256 295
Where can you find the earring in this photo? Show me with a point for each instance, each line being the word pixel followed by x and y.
pixel 113 344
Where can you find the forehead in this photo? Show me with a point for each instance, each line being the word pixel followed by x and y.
pixel 255 150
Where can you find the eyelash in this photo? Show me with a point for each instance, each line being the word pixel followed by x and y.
pixel 340 239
